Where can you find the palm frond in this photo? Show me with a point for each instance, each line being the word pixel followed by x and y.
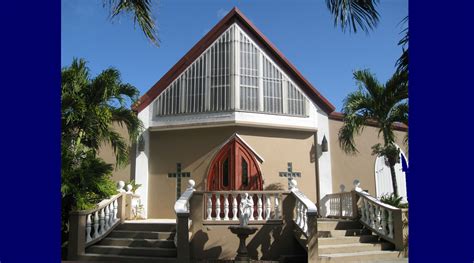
pixel 141 13
pixel 354 14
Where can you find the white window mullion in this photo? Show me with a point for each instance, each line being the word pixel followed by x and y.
pixel 260 82
pixel 237 68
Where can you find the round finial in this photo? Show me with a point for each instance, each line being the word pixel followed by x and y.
pixel 191 183
pixel 129 188
pixel 293 183
pixel 120 186
pixel 342 187
pixel 356 185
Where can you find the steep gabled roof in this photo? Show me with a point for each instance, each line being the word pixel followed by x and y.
pixel 234 16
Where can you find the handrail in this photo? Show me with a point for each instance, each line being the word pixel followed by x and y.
pixel 88 227
pixel 382 219
pixel 304 208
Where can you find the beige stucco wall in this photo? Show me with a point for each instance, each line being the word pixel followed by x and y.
pixel 346 168
pixel 107 154
pixel 195 149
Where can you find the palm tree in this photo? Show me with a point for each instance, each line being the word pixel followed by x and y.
pixel 140 10
pixel 91 105
pixel 384 105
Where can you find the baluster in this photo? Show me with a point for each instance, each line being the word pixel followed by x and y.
pixel 259 207
pixel 115 210
pixel 251 208
pixel 209 206
pixel 377 217
pixel 362 210
pixel 298 217
pixel 367 211
pixel 88 228
pixel 302 207
pixel 268 207
pixel 102 221
pixel 305 219
pixel 226 207
pixel 111 214
pixel 384 221
pixel 277 207
pixel 106 223
pixel 372 215
pixel 234 207
pixel 390 224
pixel 218 206
pixel 96 225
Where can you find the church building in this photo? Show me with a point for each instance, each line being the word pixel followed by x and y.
pixel 234 114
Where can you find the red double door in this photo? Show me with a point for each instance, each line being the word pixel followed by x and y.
pixel 234 168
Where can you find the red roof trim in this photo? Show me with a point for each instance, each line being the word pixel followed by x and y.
pixel 235 15
pixel 339 116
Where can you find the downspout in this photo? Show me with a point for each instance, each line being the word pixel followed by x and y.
pixel 316 170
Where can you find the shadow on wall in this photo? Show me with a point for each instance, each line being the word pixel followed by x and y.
pixel 201 238
pixel 315 152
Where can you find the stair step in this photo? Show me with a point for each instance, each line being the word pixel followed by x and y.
pixel 136 242
pixel 122 258
pixel 327 225
pixel 347 240
pixel 342 233
pixel 142 234
pixel 132 251
pixel 350 248
pixel 154 227
pixel 364 256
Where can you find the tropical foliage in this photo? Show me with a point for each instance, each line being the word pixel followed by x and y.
pixel 382 104
pixel 141 12
pixel 90 107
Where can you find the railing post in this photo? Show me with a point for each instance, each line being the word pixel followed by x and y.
pixel 312 240
pixel 355 207
pixel 128 205
pixel 77 235
pixel 121 208
pixel 397 229
pixel 181 209
pixel 182 234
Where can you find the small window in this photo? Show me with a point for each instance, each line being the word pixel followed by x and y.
pixel 245 174
pixel 225 173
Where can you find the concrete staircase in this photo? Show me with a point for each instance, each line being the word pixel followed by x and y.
pixel 349 241
pixel 135 242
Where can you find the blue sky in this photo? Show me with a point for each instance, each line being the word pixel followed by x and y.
pixel 302 30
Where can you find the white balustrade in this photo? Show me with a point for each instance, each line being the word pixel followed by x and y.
pixel 340 205
pixel 230 200
pixel 303 207
pixel 88 228
pixel 378 216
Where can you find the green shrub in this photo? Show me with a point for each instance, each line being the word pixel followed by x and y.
pixel 391 199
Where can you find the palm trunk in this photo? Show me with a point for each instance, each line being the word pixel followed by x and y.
pixel 394 180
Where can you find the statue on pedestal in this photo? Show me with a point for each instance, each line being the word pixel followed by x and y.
pixel 246 203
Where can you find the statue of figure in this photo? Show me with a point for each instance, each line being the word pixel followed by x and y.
pixel 245 204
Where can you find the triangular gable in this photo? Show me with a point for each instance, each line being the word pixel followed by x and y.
pixel 244 143
pixel 234 16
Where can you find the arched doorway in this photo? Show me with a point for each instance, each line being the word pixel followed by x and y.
pixel 383 177
pixel 234 168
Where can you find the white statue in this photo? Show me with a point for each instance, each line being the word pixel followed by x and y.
pixel 246 204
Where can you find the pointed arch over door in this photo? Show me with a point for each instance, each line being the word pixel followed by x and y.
pixel 234 167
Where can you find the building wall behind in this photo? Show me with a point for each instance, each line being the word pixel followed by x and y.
pixel 195 149
pixel 346 168
pixel 107 154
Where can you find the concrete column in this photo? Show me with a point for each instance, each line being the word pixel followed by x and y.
pixel 312 237
pixel 355 208
pixel 77 236
pixel 182 234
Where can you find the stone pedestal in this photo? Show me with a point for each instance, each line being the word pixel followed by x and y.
pixel 242 232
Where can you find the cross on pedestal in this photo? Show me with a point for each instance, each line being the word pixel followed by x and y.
pixel 178 175
pixel 290 174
